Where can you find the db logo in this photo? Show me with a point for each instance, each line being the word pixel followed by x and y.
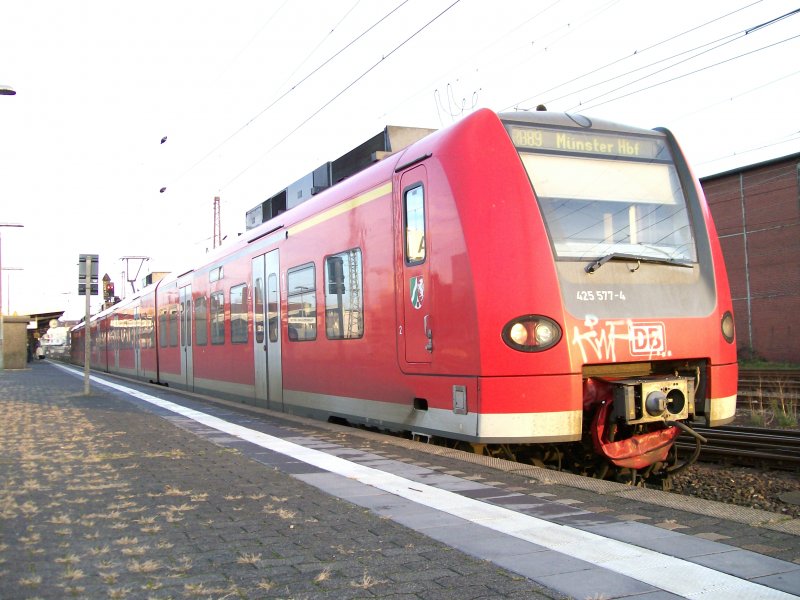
pixel 647 338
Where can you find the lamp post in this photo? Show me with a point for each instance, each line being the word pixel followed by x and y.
pixel 5 90
pixel 2 343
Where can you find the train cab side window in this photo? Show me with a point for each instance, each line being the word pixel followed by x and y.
pixel 239 314
pixel 200 321
pixel 217 318
pixel 344 313
pixel 302 302
pixel 414 222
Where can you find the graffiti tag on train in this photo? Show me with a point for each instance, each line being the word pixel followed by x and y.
pixel 600 341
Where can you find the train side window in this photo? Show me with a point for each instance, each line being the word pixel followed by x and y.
pixel 162 328
pixel 344 314
pixel 185 318
pixel 414 221
pixel 258 311
pixel 239 314
pixel 215 274
pixel 217 318
pixel 188 321
pixel 272 307
pixel 302 301
pixel 200 321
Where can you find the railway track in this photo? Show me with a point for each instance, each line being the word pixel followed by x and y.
pixel 747 374
pixel 769 383
pixel 772 379
pixel 747 446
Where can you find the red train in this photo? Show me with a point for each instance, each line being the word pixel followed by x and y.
pixel 510 282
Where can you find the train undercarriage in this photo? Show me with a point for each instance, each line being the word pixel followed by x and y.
pixel 630 427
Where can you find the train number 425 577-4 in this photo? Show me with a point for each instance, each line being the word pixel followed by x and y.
pixel 599 295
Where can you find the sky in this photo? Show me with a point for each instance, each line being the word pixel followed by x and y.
pixel 254 94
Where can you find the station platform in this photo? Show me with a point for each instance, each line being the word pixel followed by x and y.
pixel 137 491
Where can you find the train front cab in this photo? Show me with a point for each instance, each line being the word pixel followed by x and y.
pixel 647 310
pixel 588 267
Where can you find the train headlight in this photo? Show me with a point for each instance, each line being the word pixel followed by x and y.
pixel 518 334
pixel 531 333
pixel 727 327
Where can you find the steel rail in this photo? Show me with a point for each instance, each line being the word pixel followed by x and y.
pixel 779 449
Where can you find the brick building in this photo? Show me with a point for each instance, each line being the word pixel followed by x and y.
pixel 757 213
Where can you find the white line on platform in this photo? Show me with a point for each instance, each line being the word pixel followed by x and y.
pixel 662 571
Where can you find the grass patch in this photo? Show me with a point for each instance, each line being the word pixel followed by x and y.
pixel 148 566
pixel 773 403
pixel 249 559
pixel 366 582
pixel 323 576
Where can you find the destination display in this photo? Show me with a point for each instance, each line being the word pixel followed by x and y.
pixel 602 144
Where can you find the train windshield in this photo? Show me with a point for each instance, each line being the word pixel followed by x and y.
pixel 604 194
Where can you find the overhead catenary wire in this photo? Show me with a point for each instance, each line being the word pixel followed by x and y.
pixel 734 97
pixel 649 87
pixel 482 51
pixel 327 61
pixel 723 41
pixel 319 44
pixel 287 92
pixel 339 94
pixel 629 56
pixel 571 28
pixel 785 140
pixel 252 38
pixel 229 182
pixel 720 42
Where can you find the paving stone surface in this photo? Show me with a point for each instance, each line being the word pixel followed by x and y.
pixel 100 499
pixel 110 497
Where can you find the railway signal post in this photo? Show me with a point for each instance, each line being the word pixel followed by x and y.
pixel 87 286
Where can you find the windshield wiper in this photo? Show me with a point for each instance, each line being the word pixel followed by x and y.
pixel 596 264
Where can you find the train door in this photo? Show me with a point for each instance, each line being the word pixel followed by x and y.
pixel 267 326
pixel 417 339
pixel 185 300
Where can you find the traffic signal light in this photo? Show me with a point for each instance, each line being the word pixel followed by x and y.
pixel 108 288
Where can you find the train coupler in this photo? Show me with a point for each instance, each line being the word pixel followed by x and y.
pixel 653 399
